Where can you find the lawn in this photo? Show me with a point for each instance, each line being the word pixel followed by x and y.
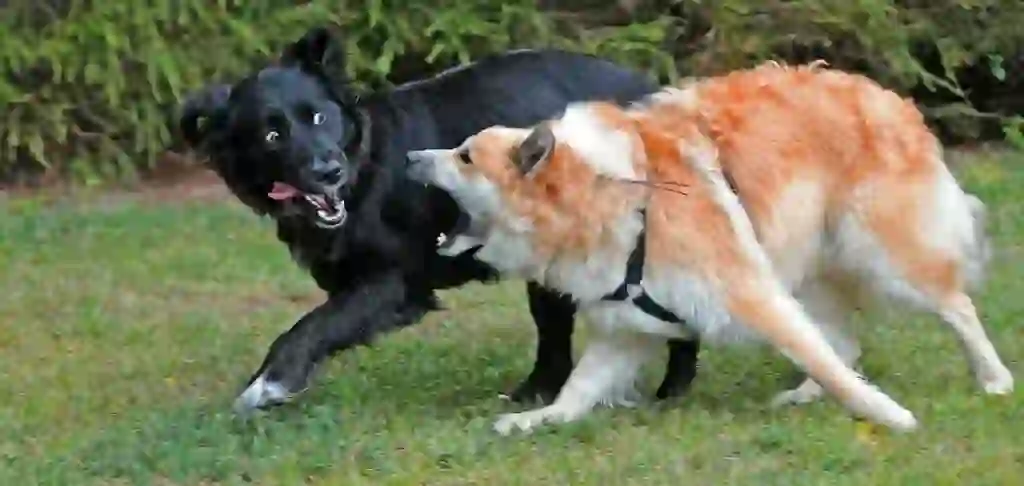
pixel 128 323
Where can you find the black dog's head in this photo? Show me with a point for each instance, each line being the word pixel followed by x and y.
pixel 287 140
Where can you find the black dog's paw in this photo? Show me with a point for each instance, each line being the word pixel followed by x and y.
pixel 538 387
pixel 675 386
pixel 681 369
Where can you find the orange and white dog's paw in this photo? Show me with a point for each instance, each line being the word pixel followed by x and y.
pixel 999 383
pixel 519 422
pixel 902 420
pixel 881 408
pixel 531 419
pixel 807 392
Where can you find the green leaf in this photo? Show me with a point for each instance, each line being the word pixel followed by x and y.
pixel 995 64
pixel 383 62
pixel 374 12
pixel 37 148
pixel 434 52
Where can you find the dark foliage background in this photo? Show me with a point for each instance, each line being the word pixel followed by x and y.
pixel 88 88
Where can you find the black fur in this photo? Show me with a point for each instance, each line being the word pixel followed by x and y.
pixel 380 269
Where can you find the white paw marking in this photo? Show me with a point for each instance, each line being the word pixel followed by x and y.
pixel 259 394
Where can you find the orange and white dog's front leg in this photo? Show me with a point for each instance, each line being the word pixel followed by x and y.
pixel 830 305
pixel 605 374
pixel 776 315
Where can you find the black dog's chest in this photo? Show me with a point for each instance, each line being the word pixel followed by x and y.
pixel 339 259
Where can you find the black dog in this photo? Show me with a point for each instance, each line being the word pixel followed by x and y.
pixel 293 142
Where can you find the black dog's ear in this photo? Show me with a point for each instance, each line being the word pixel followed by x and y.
pixel 316 51
pixel 197 110
pixel 535 149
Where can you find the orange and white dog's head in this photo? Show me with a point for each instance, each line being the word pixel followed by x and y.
pixel 529 194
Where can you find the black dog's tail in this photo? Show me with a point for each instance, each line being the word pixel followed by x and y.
pixel 196 111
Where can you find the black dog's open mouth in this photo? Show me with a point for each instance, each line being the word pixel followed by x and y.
pixel 460 238
pixel 330 211
pixel 447 239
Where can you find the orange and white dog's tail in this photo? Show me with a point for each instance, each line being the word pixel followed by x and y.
pixel 978 252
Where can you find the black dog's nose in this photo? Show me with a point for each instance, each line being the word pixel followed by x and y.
pixel 329 172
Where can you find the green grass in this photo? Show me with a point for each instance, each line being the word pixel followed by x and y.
pixel 127 327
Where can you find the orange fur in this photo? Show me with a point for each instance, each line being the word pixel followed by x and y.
pixel 776 125
pixel 567 203
pixel 771 126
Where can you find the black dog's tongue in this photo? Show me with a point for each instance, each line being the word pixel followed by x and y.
pixel 281 191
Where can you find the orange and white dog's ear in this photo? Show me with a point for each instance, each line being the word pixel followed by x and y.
pixel 534 150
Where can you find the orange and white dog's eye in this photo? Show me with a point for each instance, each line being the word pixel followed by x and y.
pixel 463 156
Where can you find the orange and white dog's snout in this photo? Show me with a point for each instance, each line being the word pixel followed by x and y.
pixel 438 168
pixel 421 164
pixel 805 190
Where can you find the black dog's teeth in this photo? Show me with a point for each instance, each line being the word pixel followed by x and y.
pixel 312 200
pixel 333 214
pixel 319 202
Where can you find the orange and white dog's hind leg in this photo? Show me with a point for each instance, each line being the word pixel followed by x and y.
pixel 755 296
pixel 605 374
pixel 925 243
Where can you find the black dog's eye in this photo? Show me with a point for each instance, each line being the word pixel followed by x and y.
pixel 319 118
pixel 463 156
pixel 272 136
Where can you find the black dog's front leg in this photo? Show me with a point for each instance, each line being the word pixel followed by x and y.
pixel 346 320
pixel 681 368
pixel 554 316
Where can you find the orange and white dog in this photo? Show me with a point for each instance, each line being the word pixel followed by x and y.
pixel 767 202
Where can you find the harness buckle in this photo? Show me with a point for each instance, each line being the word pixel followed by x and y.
pixel 634 290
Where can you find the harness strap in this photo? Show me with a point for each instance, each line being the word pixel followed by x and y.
pixel 631 289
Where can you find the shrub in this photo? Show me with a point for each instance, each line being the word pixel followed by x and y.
pixel 89 88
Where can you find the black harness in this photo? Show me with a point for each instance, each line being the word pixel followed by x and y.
pixel 631 289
